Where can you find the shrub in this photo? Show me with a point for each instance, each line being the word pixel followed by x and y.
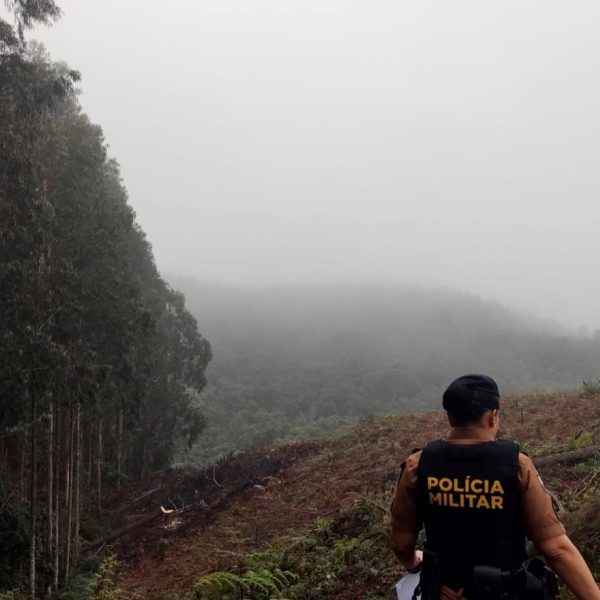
pixel 100 585
pixel 583 439
pixel 590 388
pixel 253 585
pixel 12 595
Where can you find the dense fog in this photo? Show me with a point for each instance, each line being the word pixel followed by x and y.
pixel 304 361
pixel 276 141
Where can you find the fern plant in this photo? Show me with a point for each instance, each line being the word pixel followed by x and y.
pixel 265 583
pixel 106 587
pixel 260 584
pixel 12 595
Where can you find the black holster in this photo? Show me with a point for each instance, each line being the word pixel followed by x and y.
pixel 542 578
pixel 487 583
pixel 533 581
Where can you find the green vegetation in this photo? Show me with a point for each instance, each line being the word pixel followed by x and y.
pixel 304 362
pixel 590 388
pixel 320 514
pixel 100 584
pixel 351 550
pixel 346 554
pixel 253 585
pixel 99 359
pixel 12 595
pixel 583 439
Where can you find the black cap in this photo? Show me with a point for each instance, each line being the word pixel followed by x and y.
pixel 471 391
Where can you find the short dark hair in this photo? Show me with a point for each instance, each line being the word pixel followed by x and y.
pixel 469 397
pixel 467 415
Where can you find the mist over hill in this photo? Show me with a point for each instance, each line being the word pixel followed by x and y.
pixel 303 361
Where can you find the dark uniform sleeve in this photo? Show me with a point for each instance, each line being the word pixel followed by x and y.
pixel 405 513
pixel 541 522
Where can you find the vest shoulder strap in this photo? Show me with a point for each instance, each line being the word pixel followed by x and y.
pixel 403 464
pixel 508 450
pixel 504 451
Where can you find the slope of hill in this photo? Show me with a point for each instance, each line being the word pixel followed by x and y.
pixel 314 511
pixel 301 362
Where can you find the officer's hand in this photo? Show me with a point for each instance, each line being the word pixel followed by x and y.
pixel 417 564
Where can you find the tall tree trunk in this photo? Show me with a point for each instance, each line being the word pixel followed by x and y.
pixel 88 437
pixel 143 466
pixel 99 467
pixel 120 445
pixel 3 459
pixel 69 496
pixel 22 494
pixel 32 496
pixel 76 477
pixel 57 449
pixel 50 498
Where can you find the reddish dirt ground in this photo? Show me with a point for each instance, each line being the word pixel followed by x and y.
pixel 286 488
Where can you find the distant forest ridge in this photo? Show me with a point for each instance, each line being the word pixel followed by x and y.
pixel 304 361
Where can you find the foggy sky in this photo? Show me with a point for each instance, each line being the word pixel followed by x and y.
pixel 445 143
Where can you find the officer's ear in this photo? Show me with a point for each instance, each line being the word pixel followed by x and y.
pixel 493 418
pixel 451 419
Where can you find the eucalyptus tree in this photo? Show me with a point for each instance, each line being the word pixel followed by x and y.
pixel 28 13
pixel 32 91
pixel 97 352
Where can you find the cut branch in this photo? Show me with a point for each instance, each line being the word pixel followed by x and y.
pixel 121 532
pixel 566 458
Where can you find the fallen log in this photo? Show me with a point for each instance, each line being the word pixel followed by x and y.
pixel 160 514
pixel 566 458
pixel 127 503
pixel 157 514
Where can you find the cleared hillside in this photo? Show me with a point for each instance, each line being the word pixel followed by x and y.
pixel 316 509
pixel 303 362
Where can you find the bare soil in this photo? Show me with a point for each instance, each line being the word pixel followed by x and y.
pixel 283 489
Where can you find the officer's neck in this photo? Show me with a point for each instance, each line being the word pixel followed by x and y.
pixel 472 432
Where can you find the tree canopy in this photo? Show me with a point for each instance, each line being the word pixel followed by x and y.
pixel 304 361
pixel 99 358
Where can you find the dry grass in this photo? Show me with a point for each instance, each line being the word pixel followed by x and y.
pixel 312 480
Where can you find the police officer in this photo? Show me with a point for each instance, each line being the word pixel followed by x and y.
pixel 478 499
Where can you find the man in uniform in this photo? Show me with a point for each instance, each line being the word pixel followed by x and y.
pixel 478 499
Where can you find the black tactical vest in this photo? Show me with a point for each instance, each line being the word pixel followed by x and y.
pixel 469 499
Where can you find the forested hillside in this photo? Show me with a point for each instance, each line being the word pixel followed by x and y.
pixel 302 361
pixel 99 359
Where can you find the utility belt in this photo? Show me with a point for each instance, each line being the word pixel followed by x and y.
pixel 533 581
